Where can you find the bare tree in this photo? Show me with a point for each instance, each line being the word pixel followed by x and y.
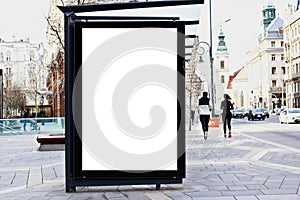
pixel 34 83
pixel 55 36
pixel 14 98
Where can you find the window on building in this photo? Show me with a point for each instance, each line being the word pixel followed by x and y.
pixel 242 99
pixel 31 69
pixel 8 70
pixel 222 64
pixel 283 70
pixel 292 30
pixel 270 14
pixel 292 49
pixel 281 44
pixel 273 70
pixel 272 43
pixel 222 79
pixel 273 57
pixel 282 56
pixel 296 87
pixel 8 57
pixel 273 83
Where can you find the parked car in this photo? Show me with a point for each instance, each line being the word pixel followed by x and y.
pixel 265 111
pixel 291 115
pixel 238 113
pixel 256 114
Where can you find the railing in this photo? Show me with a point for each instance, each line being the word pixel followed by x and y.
pixel 275 89
pixel 296 75
pixel 23 126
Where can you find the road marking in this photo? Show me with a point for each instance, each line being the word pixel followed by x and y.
pixel 259 155
pixel 157 196
pixel 272 143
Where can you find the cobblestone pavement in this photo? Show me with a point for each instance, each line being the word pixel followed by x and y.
pixel 227 169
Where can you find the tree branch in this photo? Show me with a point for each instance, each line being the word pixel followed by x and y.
pixel 62 2
pixel 55 31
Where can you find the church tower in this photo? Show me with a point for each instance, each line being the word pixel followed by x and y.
pixel 222 68
pixel 269 13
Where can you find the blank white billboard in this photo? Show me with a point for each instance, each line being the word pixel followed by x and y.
pixel 129 99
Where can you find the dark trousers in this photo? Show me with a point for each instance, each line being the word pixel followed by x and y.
pixel 226 120
pixel 204 119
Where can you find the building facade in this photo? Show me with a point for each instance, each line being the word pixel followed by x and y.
pixel 292 57
pixel 266 67
pixel 24 74
pixel 221 64
pixel 240 89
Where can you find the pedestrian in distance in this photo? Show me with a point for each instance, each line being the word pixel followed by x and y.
pixel 25 115
pixel 204 112
pixel 227 106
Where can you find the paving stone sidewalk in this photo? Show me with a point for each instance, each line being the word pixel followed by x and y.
pixel 227 169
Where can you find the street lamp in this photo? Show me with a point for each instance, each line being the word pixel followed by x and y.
pixel 282 92
pixel 212 60
pixel 211 63
pixel 211 71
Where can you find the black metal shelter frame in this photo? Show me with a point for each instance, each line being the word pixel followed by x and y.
pixel 75 176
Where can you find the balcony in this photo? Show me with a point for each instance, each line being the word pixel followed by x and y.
pixel 275 89
pixel 296 75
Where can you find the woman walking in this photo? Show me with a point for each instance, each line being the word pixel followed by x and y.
pixel 226 106
pixel 204 111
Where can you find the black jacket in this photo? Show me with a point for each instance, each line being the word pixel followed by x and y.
pixel 204 101
pixel 226 106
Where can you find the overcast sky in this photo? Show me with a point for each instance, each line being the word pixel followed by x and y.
pixel 24 19
pixel 242 30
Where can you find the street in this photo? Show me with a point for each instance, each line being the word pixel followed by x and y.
pixel 270 131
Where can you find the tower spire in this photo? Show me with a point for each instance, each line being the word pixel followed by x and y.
pixel 222 44
pixel 269 13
